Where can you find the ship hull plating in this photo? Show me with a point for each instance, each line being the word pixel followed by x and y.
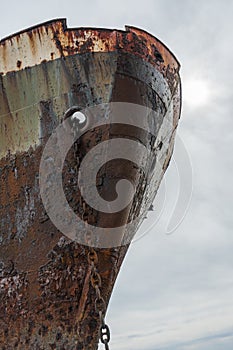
pixel 47 300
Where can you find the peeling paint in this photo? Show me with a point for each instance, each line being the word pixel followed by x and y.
pixel 46 299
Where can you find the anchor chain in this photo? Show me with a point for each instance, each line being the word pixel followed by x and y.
pixel 100 304
pixel 96 281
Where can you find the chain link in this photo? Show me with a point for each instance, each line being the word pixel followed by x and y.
pixel 100 304
pixel 104 332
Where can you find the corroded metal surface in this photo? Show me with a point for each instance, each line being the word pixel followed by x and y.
pixel 47 301
pixel 52 41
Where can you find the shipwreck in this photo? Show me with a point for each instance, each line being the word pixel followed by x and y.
pixel 59 258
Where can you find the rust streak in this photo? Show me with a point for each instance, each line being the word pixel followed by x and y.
pixel 84 295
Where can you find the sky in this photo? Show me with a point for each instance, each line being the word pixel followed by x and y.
pixel 174 291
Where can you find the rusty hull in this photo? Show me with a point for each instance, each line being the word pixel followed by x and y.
pixel 46 299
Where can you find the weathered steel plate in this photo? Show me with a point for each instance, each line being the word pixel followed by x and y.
pixel 47 301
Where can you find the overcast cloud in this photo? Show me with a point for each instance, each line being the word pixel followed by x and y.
pixel 174 292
